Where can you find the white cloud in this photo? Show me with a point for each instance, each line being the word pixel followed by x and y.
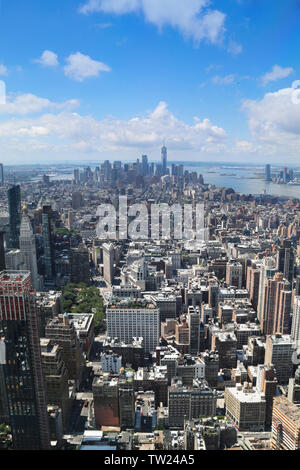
pixel 48 59
pixel 75 132
pixel 234 48
pixel 81 66
pixel 32 104
pixel 275 121
pixel 277 73
pixel 193 18
pixel 3 70
pixel 227 80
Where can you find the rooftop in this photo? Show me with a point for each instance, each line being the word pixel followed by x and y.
pixel 291 411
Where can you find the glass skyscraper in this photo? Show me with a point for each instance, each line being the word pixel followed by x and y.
pixel 14 210
pixel 20 363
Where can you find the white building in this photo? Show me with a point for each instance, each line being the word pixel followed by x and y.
pixel 295 334
pixel 128 320
pixel 111 363
pixel 108 262
pixel 246 407
pixel 28 251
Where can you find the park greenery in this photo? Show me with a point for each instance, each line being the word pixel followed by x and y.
pixel 79 298
pixel 65 231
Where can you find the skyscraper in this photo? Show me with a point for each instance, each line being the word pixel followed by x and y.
pixel 285 425
pixel 2 252
pixel 76 176
pixel 20 362
pixel 145 167
pixel 285 259
pixel 164 159
pixel 295 334
pixel 276 306
pixel 1 174
pixel 80 265
pixel 47 233
pixel 14 210
pixel 268 173
pixel 108 262
pixel 279 352
pixel 267 270
pixel 28 250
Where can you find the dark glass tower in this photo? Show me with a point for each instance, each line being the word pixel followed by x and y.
pixel 20 362
pixel 164 159
pixel 2 252
pixel 14 210
pixel 1 174
pixel 268 173
pixel 286 260
pixel 47 232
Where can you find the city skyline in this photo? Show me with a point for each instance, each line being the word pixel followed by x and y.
pixel 114 80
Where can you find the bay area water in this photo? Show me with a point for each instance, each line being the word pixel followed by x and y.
pixel 245 180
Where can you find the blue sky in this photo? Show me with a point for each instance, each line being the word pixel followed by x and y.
pixel 112 79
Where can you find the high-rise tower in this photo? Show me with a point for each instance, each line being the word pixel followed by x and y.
pixel 28 250
pixel 14 210
pixel 1 174
pixel 268 173
pixel 47 232
pixel 164 159
pixel 20 362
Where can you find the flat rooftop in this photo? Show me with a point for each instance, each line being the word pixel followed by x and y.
pixel 291 411
pixel 14 276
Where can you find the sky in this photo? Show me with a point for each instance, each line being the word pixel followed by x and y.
pixel 90 80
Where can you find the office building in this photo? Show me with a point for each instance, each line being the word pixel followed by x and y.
pixel 268 173
pixel 268 270
pixel 145 412
pixel 234 274
pixel 196 331
pixel 55 377
pixel 276 307
pixel 190 402
pixel 267 384
pixel 77 201
pixel 294 388
pixel 126 401
pixel 164 160
pixel 49 255
pixel 21 362
pixel 252 284
pixel 131 353
pixel 279 352
pixel 61 330
pixel 1 174
pixel 108 262
pixel 130 320
pixel 246 407
pixel 226 346
pixel 295 333
pixel 106 400
pixel 285 425
pixel 285 260
pixel 14 210
pixel 80 265
pixel 110 362
pixel 2 252
pixel 145 166
pixel 28 251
